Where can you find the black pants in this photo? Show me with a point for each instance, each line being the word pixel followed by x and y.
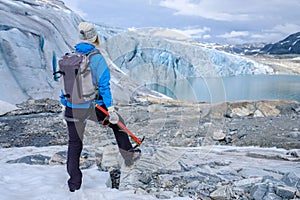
pixel 76 122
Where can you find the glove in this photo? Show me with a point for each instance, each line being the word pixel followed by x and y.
pixel 113 115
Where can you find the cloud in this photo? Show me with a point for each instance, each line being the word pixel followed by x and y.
pixel 241 37
pixel 217 9
pixel 278 32
pixel 234 10
pixel 275 34
pixel 195 32
pixel 287 28
pixel 234 34
pixel 206 36
pixel 244 21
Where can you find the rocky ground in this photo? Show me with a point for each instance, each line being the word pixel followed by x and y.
pixel 239 150
pixel 281 64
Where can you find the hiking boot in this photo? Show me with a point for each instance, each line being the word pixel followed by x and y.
pixel 73 190
pixel 115 178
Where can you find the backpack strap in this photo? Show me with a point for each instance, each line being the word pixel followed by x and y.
pixel 88 56
pixel 92 53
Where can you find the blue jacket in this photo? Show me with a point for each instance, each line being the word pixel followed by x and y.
pixel 100 75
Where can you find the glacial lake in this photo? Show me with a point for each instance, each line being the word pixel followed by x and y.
pixel 235 88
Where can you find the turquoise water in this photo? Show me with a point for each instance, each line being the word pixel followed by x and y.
pixel 236 88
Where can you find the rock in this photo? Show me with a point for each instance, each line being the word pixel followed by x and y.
pixel 228 139
pixel 243 109
pixel 181 142
pixel 110 158
pixel 238 193
pixel 242 134
pixel 294 134
pixel 219 135
pixel 294 152
pixel 98 159
pixel 267 108
pixel 166 195
pixel 272 196
pixel 229 114
pixel 38 106
pixel 291 179
pixel 192 185
pixel 222 193
pixel 233 131
pixel 59 158
pixel 86 159
pixel 7 128
pixel 202 186
pixel 246 184
pixel 289 108
pixel 145 177
pixel 218 111
pixel 296 108
pixel 86 163
pixel 298 194
pixel 286 192
pixel 258 113
pixel 222 163
pixel 255 109
pixel 162 162
pixel 5 145
pixel 32 160
pixel 258 191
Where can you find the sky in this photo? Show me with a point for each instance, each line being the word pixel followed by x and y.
pixel 222 21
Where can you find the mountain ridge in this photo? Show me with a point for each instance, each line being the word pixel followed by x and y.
pixel 289 45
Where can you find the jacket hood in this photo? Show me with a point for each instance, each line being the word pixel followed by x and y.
pixel 85 48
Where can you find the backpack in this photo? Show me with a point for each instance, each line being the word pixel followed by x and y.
pixel 76 78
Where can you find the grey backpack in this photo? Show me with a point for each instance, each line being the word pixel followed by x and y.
pixel 76 78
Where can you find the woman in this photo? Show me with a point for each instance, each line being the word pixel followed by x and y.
pixel 77 114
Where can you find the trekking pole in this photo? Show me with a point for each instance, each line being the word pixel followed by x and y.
pixel 124 128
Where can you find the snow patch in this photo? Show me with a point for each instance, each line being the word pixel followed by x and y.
pixel 6 107
pixel 22 181
pixel 294 43
pixel 296 58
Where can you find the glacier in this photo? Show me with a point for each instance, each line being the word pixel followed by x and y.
pixel 35 33
pixel 168 64
pixel 32 33
pixel 151 58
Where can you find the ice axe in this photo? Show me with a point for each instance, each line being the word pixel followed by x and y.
pixel 137 141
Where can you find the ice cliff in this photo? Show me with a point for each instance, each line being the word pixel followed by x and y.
pixel 34 33
pixel 156 55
